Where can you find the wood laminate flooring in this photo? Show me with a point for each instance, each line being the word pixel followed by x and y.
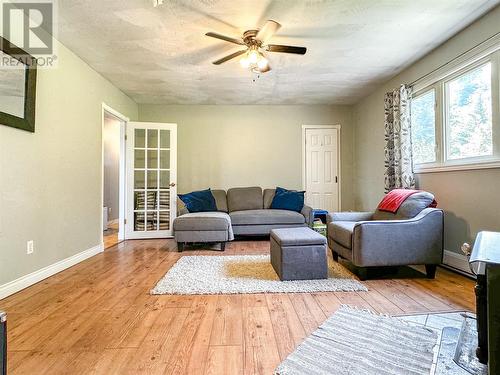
pixel 99 318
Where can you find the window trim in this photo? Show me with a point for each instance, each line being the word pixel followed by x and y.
pixel 446 126
pixel 416 95
pixel 458 167
pixel 443 164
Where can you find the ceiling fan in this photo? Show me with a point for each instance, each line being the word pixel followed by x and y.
pixel 255 42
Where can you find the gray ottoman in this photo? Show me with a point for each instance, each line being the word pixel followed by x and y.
pixel 298 254
pixel 203 227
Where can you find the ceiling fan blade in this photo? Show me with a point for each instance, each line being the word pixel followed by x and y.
pixel 225 38
pixel 229 57
pixel 268 30
pixel 286 49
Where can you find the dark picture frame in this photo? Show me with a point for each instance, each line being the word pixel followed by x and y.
pixel 28 121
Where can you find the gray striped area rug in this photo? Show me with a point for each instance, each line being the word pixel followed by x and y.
pixel 358 342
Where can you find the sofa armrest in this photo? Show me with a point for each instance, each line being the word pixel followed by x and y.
pixel 308 214
pixel 400 242
pixel 349 216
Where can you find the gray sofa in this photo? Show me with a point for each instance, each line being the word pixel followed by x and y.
pixel 241 211
pixel 412 236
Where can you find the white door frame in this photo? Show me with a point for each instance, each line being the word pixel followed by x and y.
pixel 122 190
pixel 339 153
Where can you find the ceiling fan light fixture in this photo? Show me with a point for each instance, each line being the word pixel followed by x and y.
pixel 253 56
pixel 262 63
pixel 245 62
pixel 255 42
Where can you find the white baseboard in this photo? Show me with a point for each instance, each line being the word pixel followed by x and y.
pixel 457 261
pixel 37 276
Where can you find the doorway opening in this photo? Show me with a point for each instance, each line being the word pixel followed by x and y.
pixel 113 176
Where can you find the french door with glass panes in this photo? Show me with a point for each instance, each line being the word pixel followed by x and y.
pixel 151 179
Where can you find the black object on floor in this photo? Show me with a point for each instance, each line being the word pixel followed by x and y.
pixel 320 214
pixel 3 342
pixel 485 263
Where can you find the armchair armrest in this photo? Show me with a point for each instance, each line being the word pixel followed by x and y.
pixel 349 216
pixel 400 242
pixel 308 214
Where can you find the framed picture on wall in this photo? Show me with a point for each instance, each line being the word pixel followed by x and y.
pixel 17 87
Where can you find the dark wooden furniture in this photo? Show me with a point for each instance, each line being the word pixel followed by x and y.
pixel 3 343
pixel 485 263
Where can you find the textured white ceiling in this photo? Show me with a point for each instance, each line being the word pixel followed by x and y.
pixel 161 55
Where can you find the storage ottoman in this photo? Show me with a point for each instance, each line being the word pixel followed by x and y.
pixel 298 254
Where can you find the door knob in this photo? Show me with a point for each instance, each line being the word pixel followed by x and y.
pixel 172 184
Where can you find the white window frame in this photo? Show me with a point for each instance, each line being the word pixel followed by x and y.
pixel 488 51
pixel 437 129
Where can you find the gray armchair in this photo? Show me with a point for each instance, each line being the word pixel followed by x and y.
pixel 412 236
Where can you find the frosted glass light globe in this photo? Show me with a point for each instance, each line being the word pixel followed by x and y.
pixel 262 63
pixel 245 62
pixel 253 56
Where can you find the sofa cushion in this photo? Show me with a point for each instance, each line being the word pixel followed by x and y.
pixel 220 200
pixel 260 217
pixel 202 221
pixel 268 197
pixel 297 237
pixel 247 198
pixel 284 199
pixel 199 201
pixel 410 208
pixel 341 232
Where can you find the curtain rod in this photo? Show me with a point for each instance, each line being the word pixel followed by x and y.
pixel 455 58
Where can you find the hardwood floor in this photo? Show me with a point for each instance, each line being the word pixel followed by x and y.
pixel 110 236
pixel 98 317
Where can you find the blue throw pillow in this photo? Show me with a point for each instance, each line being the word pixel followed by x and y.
pixel 291 200
pixel 199 201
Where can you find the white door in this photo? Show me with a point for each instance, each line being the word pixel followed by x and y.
pixel 322 168
pixel 151 179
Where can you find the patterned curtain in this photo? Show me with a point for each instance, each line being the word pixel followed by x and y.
pixel 398 150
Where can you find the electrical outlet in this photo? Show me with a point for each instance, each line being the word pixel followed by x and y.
pixel 29 247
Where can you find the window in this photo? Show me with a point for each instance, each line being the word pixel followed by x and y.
pixel 423 127
pixel 455 119
pixel 469 114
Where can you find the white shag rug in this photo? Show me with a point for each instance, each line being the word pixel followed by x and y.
pixel 246 274
pixel 358 342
